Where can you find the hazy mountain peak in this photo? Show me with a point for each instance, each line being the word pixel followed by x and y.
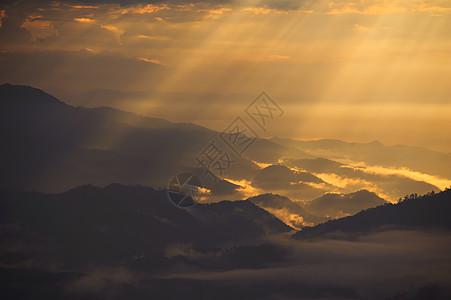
pixel 26 95
pixel 285 209
pixel 268 196
pixel 336 205
pixel 375 143
pixel 284 174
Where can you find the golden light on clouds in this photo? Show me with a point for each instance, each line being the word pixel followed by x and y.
pixel 143 9
pixel 116 31
pixel 38 27
pixel 353 70
pixel 2 16
pixel 363 28
pixel 246 188
pixel 155 61
pixel 258 10
pixel 441 183
pixel 84 20
pixel 291 219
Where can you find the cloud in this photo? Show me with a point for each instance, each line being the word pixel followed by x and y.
pixel 84 20
pixel 279 57
pixel 363 28
pixel 291 219
pixel 431 7
pixel 11 30
pixel 85 70
pixel 2 16
pixel 106 281
pixel 258 10
pixel 228 47
pixel 285 5
pixel 437 181
pixel 39 28
pixel 117 32
pixel 143 9
pixel 375 266
pixel 154 61
pixel 246 189
pixel 366 8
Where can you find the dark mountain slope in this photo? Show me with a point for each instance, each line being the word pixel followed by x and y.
pixel 338 205
pixel 281 176
pixel 51 146
pixel 118 222
pixel 428 211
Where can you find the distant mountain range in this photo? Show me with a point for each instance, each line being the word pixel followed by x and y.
pixel 49 146
pixel 321 209
pixel 374 153
pixel 63 237
pixel 351 179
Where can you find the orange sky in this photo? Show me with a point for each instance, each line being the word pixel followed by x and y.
pixel 355 70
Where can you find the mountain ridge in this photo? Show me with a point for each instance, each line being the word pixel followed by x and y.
pixel 430 211
pixel 120 222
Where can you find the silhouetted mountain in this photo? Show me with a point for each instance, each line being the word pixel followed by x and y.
pixel 228 216
pixel 109 114
pixel 280 178
pixel 286 210
pixel 117 222
pixel 51 146
pixel 340 205
pixel 428 211
pixel 25 97
pixel 35 284
pixel 317 165
pixel 374 153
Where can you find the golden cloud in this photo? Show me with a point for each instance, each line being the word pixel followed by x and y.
pixel 2 16
pixel 144 9
pixel 84 20
pixel 117 32
pixel 155 61
pixel 39 28
pixel 363 28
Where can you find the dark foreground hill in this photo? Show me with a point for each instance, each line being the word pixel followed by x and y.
pixel 116 223
pixel 430 211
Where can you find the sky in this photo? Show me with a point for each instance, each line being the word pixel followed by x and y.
pixel 356 70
